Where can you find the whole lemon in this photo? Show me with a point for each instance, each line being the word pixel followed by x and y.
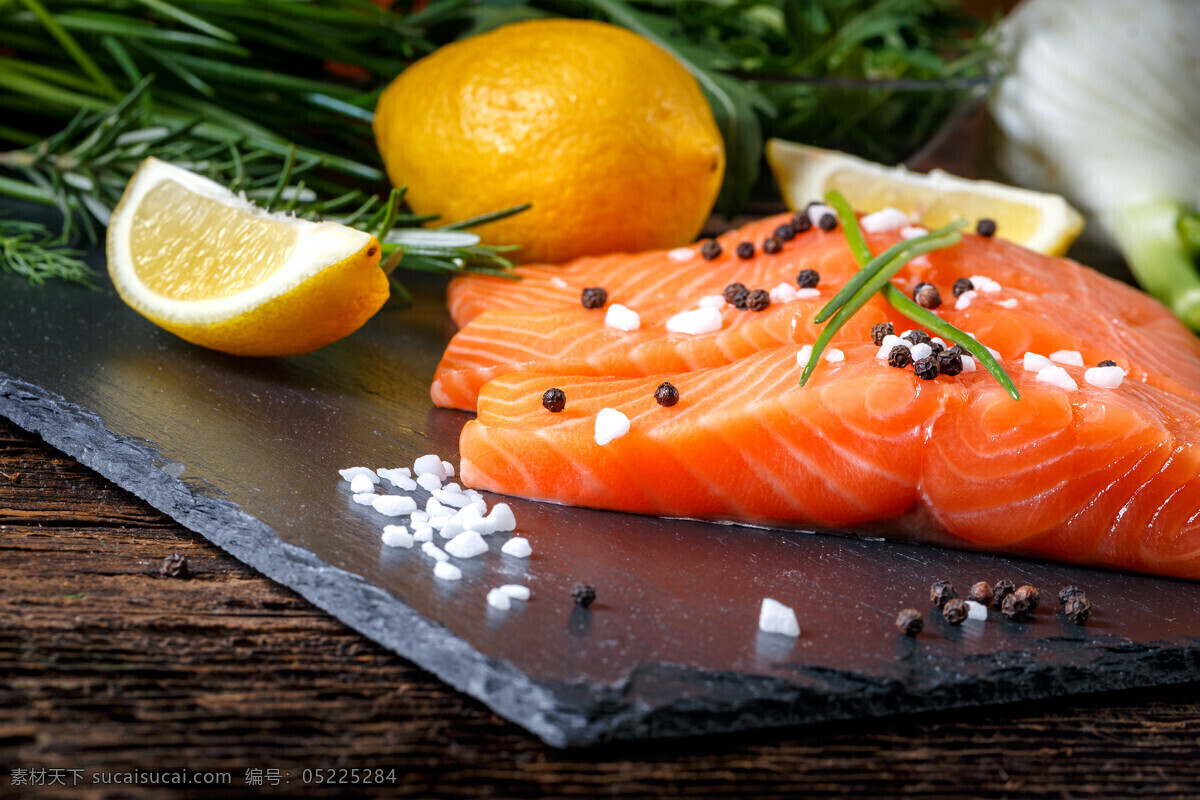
pixel 605 133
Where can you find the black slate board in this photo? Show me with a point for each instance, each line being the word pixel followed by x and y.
pixel 246 452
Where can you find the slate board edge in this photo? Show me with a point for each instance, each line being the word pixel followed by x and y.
pixel 568 715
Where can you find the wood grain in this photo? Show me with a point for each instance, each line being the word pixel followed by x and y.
pixel 106 666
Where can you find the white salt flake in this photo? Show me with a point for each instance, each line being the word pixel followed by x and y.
pixel 365 498
pixel 622 318
pixel 968 364
pixel 429 482
pixel 499 600
pixel 502 515
pixel 964 299
pixel 1010 303
pixel 775 617
pixel 834 355
pixel 353 472
pixel 397 536
pixel 890 341
pixel 434 508
pixel 448 468
pixel 976 611
pixel 400 478
pixel 696 321
pixel 983 283
pixel 807 294
pixel 517 547
pixel 450 528
pixel 455 499
pixel 388 474
pixel 484 526
pixel 363 483
pixel 423 533
pixel 433 551
pixel 681 254
pixel 429 465
pixel 804 356
pixel 1035 362
pixel 886 219
pixel 610 424
pixel 1104 377
pixel 819 210
pixel 1057 376
pixel 559 283
pixel 938 340
pixel 393 505
pixel 913 231
pixel 712 301
pixel 1072 358
pixel 437 523
pixel 783 293
pixel 419 517
pixel 920 351
pixel 467 544
pixel 516 591
pixel 446 571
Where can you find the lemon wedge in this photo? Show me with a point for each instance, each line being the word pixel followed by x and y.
pixel 216 270
pixel 1039 221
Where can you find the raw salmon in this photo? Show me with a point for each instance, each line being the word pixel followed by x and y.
pixel 1091 475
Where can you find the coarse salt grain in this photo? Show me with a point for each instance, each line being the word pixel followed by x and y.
pixel 433 551
pixel 446 571
pixel 807 294
pixel 834 355
pixel 429 482
pixel 449 469
pixel 467 544
pixel 696 321
pixel 502 515
pixel 1010 303
pixel 938 340
pixel 388 473
pixel 610 424
pixel 968 363
pixel 429 465
pixel 499 600
pixel 964 299
pixel 1072 358
pixel 400 478
pixel 912 232
pixel 885 219
pixel 817 211
pixel 434 508
pixel 484 526
pixel 680 254
pixel 423 533
pixel 1104 377
pixel 783 293
pixel 804 356
pixel 712 301
pixel 517 547
pixel 983 283
pixel 1035 362
pixel 393 505
pixel 1057 376
pixel 890 341
pixel 775 617
pixel 397 536
pixel 976 611
pixel 456 499
pixel 363 483
pixel 365 498
pixel 437 523
pixel 559 283
pixel 350 474
pixel 920 351
pixel 516 591
pixel 622 318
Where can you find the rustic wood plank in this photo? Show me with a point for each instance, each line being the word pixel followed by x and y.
pixel 108 667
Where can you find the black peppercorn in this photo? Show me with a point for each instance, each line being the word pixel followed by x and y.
pixel 936 347
pixel 1108 362
pixel 554 400
pixel 880 330
pixel 732 291
pixel 584 594
pixel 174 566
pixel 949 363
pixel 986 227
pixel 926 368
pixel 808 279
pixel 927 295
pixel 962 285
pixel 710 249
pixel 910 622
pixel 981 592
pixel 745 250
pixel 827 222
pixel 758 300
pixel 958 350
pixel 955 611
pixel 801 222
pixel 771 245
pixel 666 394
pixel 1067 593
pixel 899 357
pixel 593 297
pixel 942 592
pixel 1002 589
pixel 1016 607
pixel 1030 594
pixel 1078 609
pixel 785 233
pixel 918 337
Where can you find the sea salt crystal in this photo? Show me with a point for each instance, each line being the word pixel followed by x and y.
pixel 819 210
pixel 807 294
pixel 450 528
pixel 502 515
pixel 517 547
pixel 455 499
pixel 610 424
pixel 1035 362
pixel 446 571
pixel 804 356
pixel 890 341
pixel 460 522
pixel 433 551
pixel 834 355
pixel 983 283
pixel 938 340
pixel 968 364
pixel 429 465
pixel 499 600
pixel 393 505
pixel 437 523
pixel 423 533
pixel 467 544
pixel 350 474
pixel 920 351
pixel 1057 376
pixel 448 468
pixel 712 301
pixel 886 219
pixel 621 318
pixel 680 254
pixel 1010 303
pixel 912 232
pixel 516 591
pixel 976 611
pixel 783 293
pixel 696 321
pixel 429 482
pixel 964 299
pixel 400 478
pixel 397 536
pixel 775 617
pixel 434 508
pixel 398 472
pixel 419 517
pixel 1072 358
pixel 363 483
pixel 484 526
pixel 365 498
pixel 1104 377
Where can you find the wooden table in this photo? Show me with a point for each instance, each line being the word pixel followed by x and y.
pixel 109 668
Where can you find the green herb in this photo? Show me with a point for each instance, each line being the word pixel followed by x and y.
pixel 29 249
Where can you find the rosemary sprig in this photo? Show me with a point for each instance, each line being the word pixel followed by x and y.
pixel 29 249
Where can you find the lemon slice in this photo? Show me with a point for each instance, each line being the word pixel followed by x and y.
pixel 1039 221
pixel 216 270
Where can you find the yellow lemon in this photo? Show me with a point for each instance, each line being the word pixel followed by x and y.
pixel 1039 221
pixel 602 131
pixel 216 270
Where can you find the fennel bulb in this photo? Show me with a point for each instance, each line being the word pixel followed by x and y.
pixel 1100 101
